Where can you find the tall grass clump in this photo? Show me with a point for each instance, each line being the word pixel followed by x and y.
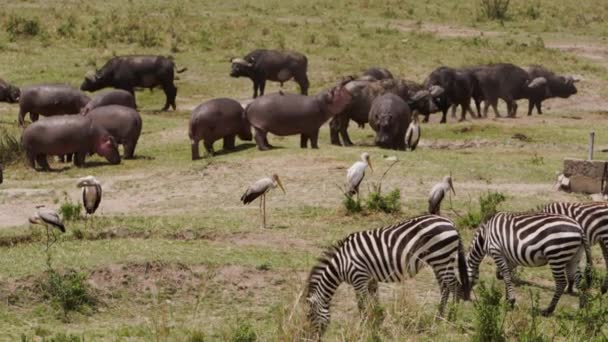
pixel 68 291
pixel 69 210
pixel 243 332
pixel 17 26
pixel 489 314
pixel 488 204
pixel 494 9
pixel 389 203
pixel 10 147
pixel 587 323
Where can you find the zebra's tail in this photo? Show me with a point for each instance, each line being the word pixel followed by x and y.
pixel 463 273
pixel 589 267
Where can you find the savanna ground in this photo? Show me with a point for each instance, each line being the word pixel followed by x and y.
pixel 172 254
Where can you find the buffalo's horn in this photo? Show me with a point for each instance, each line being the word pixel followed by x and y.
pixel 90 76
pixel 537 82
pixel 573 79
pixel 355 86
pixel 420 94
pixel 436 90
pixel 241 61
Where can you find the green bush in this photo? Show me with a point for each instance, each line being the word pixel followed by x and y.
pixel 69 291
pixel 494 9
pixel 17 26
pixel 489 314
pixel 587 323
pixel 352 205
pixel 70 211
pixel 10 147
pixel 390 203
pixel 243 332
pixel 488 204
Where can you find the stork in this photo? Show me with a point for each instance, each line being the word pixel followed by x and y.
pixel 91 193
pixel 438 192
pixel 46 218
pixel 260 188
pixel 355 174
pixel 412 135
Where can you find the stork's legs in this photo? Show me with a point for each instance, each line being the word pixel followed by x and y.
pixel 264 211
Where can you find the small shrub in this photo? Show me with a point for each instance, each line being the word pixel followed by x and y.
pixel 17 26
pixel 352 205
pixel 587 323
pixel 69 291
pixel 243 332
pixel 489 314
pixel 70 211
pixel 494 9
pixel 488 204
pixel 10 147
pixel 196 336
pixel 390 203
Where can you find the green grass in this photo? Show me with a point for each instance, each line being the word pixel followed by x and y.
pixel 183 257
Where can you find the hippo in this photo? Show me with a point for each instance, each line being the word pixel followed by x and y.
pixel 217 119
pixel 65 134
pixel 9 93
pixel 112 97
pixel 389 117
pixel 50 99
pixel 287 114
pixel 123 123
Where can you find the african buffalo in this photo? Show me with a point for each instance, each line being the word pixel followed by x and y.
pixel 8 92
pixel 130 72
pixel 454 87
pixel 278 66
pixel 377 73
pixel 558 86
pixel 510 83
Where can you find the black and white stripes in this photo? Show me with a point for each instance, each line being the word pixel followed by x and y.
pixel 531 240
pixel 593 218
pixel 388 254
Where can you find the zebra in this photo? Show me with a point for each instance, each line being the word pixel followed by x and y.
pixel 533 240
pixel 387 254
pixel 593 218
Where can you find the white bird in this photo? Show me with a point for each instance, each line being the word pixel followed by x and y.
pixel 91 193
pixel 412 135
pixel 47 218
pixel 260 188
pixel 355 174
pixel 438 192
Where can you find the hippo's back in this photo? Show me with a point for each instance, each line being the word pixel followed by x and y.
pixel 58 135
pixel 52 99
pixel 285 114
pixel 112 97
pixel 120 121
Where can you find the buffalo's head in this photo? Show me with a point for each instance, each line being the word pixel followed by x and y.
pixel 12 94
pixel 423 102
pixel 564 86
pixel 241 67
pixel 91 82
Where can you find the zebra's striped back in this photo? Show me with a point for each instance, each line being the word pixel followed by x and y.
pixel 593 217
pixel 532 239
pixel 388 254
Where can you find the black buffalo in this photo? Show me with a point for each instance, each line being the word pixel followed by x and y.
pixel 377 73
pixel 270 65
pixel 8 92
pixel 510 83
pixel 558 86
pixel 452 87
pixel 130 72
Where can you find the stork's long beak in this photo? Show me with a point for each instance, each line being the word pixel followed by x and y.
pixel 369 163
pixel 33 220
pixel 452 187
pixel 281 185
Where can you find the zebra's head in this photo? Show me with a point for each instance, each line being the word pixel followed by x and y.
pixel 318 314
pixel 477 251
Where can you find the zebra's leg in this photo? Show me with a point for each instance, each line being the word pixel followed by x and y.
pixel 445 295
pixel 559 275
pixel 573 271
pixel 364 296
pixel 604 246
pixel 505 270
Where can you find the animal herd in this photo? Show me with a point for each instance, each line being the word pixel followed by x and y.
pixel 557 234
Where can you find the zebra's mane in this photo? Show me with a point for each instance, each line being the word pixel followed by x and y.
pixel 322 263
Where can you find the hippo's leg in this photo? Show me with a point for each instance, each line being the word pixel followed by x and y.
pixel 334 127
pixel 344 133
pixel 303 82
pixel 261 140
pixel 229 142
pixel 209 147
pixel 43 162
pixel 129 149
pixel 79 159
pixel 314 139
pixel 194 146
pixel 400 141
pixel 304 140
pixel 21 117
pixel 31 160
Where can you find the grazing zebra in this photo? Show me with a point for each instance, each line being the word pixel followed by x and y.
pixel 593 218
pixel 388 254
pixel 531 240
